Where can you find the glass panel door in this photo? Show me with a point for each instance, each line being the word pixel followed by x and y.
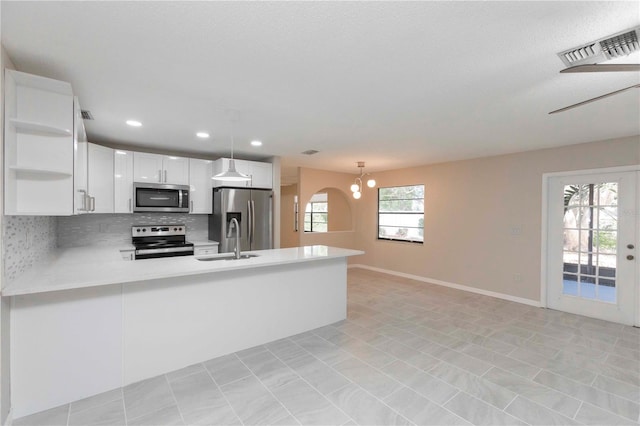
pixel 591 242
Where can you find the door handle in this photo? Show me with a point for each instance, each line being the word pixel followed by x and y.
pixel 630 257
pixel 191 209
pixel 84 200
pixel 93 203
pixel 129 204
pixel 165 176
pixel 253 220
pixel 630 246
pixel 249 223
pixel 160 175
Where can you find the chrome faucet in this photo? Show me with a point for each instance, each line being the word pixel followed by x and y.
pixel 234 223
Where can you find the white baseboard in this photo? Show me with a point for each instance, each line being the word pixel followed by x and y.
pixel 503 296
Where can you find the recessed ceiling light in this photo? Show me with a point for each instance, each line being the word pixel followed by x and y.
pixel 134 123
pixel 256 143
pixel 202 135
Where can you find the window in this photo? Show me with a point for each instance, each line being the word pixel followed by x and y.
pixel 401 213
pixel 315 215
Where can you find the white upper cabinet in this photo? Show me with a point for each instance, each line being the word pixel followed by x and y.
pixel 200 182
pixel 123 181
pixel 38 146
pixel 156 168
pixel 147 167
pixel 176 170
pixel 100 182
pixel 261 174
pixel 80 177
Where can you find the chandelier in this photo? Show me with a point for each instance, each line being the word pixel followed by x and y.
pixel 356 188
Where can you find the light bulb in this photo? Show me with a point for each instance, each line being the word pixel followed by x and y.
pixel 357 195
pixel 371 183
pixel 355 187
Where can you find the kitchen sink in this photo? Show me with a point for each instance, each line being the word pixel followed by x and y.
pixel 228 257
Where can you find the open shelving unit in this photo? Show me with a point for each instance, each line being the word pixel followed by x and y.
pixel 38 139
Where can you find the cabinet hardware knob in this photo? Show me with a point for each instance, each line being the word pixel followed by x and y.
pixel 631 246
pixel 630 257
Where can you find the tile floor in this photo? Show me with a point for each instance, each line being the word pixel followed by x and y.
pixel 409 353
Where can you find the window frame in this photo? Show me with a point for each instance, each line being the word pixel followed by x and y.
pixel 379 238
pixel 311 212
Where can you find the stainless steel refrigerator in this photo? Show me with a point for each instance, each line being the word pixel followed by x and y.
pixel 253 208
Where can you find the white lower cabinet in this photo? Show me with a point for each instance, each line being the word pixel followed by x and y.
pixel 123 181
pixel 100 182
pixel 201 184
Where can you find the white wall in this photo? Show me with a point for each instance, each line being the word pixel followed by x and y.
pixel 472 208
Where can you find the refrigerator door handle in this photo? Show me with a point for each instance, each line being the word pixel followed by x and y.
pixel 253 221
pixel 249 224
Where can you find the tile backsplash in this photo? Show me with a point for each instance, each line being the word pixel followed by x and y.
pixel 115 229
pixel 27 239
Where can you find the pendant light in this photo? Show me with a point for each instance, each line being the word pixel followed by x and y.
pixel 231 174
pixel 356 187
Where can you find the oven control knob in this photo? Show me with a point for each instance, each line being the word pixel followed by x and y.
pixel 179 229
pixel 144 229
pixel 175 229
pixel 138 230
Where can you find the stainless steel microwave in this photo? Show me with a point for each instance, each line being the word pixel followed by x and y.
pixel 160 197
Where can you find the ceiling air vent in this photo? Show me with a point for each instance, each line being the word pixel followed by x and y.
pixel 86 115
pixel 614 46
pixel 310 152
pixel 621 45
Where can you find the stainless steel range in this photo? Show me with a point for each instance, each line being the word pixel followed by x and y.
pixel 153 241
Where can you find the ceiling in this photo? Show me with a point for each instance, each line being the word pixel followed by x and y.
pixel 395 84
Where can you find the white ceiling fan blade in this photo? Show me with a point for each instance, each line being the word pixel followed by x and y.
pixel 602 68
pixel 595 99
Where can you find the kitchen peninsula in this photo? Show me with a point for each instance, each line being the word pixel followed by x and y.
pixel 87 321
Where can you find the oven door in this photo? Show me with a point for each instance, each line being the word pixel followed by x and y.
pixel 160 197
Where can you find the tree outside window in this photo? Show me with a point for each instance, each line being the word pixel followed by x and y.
pixel 316 217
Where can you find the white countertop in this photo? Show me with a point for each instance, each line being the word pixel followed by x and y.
pixel 90 266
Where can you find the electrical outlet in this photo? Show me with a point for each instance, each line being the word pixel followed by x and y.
pixel 516 230
pixel 517 278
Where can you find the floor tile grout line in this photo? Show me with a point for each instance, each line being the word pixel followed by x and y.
pixel 307 382
pixel 222 392
pixel 173 395
pixel 268 390
pixel 124 407
pixel 402 385
pixel 582 400
pixel 578 410
pixel 363 389
pixel 98 405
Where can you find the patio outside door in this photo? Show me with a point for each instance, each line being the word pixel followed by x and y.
pixel 592 247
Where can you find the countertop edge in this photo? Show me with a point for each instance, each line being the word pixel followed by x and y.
pixel 17 288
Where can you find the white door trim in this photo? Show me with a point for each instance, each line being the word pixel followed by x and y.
pixel 544 225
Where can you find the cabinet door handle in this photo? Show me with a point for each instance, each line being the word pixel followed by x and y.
pixel 165 176
pixel 191 209
pixel 130 204
pixel 160 175
pixel 84 200
pixel 93 203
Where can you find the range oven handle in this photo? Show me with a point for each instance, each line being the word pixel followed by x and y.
pixel 164 250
